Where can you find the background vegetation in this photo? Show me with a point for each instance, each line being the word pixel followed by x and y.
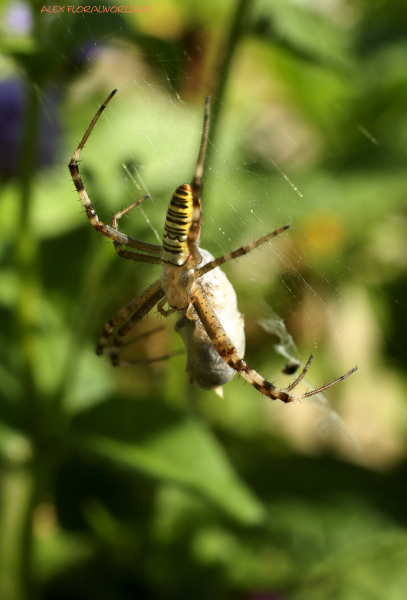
pixel 129 483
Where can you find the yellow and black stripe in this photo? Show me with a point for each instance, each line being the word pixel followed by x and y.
pixel 177 224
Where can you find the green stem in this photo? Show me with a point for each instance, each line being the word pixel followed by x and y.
pixel 26 540
pixel 17 496
pixel 27 308
pixel 27 260
pixel 237 30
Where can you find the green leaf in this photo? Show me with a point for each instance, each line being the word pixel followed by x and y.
pixel 151 438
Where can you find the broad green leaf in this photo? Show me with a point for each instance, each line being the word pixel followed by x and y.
pixel 155 440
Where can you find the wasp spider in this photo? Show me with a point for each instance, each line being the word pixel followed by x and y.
pixel 209 321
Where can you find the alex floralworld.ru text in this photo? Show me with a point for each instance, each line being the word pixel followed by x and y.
pixel 95 9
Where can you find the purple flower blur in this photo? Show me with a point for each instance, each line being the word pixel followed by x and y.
pixel 17 19
pixel 12 111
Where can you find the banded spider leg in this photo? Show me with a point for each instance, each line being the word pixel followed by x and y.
pixel 227 351
pixel 111 232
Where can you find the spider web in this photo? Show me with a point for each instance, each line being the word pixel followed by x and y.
pixel 259 178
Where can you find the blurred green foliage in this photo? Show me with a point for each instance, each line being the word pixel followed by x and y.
pixel 128 483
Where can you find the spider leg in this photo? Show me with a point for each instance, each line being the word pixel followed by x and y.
pixel 317 391
pixel 147 361
pixel 101 227
pixel 227 351
pixel 196 184
pixel 162 311
pixel 300 376
pixel 147 300
pixel 110 349
pixel 236 253
pixel 133 307
pixel 324 387
pixel 118 246
pixel 143 335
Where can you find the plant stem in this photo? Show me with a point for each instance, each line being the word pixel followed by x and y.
pixel 26 541
pixel 237 30
pixel 27 309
